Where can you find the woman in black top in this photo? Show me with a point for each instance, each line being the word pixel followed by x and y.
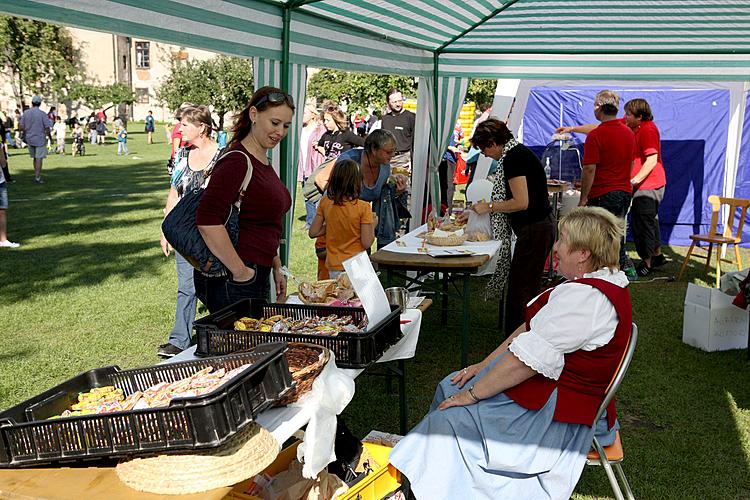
pixel 338 136
pixel 526 202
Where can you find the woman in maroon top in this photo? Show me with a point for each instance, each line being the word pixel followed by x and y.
pixel 261 126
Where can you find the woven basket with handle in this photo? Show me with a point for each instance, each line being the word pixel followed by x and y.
pixel 306 361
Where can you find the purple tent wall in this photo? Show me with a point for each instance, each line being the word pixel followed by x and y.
pixel 693 124
pixel 742 183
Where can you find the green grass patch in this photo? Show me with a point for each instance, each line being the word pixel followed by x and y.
pixel 90 287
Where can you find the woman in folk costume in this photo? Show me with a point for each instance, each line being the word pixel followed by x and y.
pixel 520 423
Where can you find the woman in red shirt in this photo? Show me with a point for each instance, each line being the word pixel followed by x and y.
pixel 259 127
pixel 649 180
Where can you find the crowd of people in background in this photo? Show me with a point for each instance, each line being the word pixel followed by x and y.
pixel 355 171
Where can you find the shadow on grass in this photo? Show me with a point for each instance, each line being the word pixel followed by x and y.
pixel 89 199
pixel 77 265
pixel 17 354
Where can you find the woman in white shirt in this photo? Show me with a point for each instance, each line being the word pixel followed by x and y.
pixel 520 423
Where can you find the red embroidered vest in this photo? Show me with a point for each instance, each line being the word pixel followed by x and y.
pixel 586 374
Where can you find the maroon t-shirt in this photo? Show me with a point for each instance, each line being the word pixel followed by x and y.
pixel 611 147
pixel 263 208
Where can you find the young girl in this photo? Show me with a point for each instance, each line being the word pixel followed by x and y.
pixel 346 220
pixel 338 137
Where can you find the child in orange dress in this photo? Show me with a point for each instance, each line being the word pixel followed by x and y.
pixel 345 220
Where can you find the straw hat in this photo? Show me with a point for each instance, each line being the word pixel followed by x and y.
pixel 245 455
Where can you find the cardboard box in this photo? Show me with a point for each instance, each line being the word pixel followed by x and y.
pixel 711 322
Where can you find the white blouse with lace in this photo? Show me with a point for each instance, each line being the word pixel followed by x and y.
pixel 577 316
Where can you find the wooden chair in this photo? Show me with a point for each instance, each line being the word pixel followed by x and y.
pixel 614 454
pixel 730 236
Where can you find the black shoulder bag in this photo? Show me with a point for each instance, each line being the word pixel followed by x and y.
pixel 181 231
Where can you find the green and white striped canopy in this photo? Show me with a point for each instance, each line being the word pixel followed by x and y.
pixel 570 39
pixel 444 42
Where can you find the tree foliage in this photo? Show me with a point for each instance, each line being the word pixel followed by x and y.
pixel 224 83
pixel 358 90
pixel 37 58
pixel 96 96
pixel 481 91
pixel 362 90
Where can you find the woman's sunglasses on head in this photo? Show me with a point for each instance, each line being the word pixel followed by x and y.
pixel 275 98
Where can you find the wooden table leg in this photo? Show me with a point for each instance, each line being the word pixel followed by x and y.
pixel 403 421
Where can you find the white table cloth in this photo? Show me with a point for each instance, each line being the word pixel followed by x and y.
pixel 410 243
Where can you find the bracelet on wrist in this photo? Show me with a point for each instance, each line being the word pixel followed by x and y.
pixel 473 395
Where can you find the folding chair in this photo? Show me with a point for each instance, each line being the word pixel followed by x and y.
pixel 613 455
pixel 730 236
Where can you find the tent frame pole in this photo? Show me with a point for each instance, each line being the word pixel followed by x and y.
pixel 434 134
pixel 284 150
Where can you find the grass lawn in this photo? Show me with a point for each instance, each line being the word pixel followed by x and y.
pixel 90 287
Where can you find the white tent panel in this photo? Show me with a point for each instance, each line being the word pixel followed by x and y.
pixel 324 44
pixel 726 67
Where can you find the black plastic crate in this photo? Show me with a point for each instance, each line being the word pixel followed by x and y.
pixel 206 421
pixel 216 333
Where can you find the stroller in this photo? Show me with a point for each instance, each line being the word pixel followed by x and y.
pixel 79 148
pixel 564 158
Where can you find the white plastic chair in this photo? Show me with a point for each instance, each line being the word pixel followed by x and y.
pixel 613 455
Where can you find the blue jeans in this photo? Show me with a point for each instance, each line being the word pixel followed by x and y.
pixel 216 293
pixel 311 208
pixel 618 204
pixel 122 148
pixel 186 303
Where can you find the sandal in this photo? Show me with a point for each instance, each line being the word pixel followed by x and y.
pixel 643 270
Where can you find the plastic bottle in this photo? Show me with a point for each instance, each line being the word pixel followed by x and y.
pixel 547 169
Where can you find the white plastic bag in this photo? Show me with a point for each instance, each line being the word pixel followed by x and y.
pixel 333 390
pixel 478 224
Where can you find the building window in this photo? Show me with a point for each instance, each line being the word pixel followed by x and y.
pixel 141 95
pixel 142 55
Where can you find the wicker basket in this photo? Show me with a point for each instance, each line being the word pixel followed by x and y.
pixel 446 241
pixel 303 376
pixel 330 285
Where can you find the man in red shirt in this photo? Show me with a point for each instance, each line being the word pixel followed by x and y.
pixel 648 180
pixel 608 156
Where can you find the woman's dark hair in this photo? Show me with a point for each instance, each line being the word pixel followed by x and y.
pixel 261 100
pixel 378 139
pixel 199 115
pixel 339 119
pixel 345 183
pixel 640 109
pixel 489 132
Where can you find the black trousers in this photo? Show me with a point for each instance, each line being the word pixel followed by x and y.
pixel 533 245
pixel 617 203
pixel 644 218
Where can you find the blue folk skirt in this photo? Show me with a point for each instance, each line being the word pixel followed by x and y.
pixel 494 449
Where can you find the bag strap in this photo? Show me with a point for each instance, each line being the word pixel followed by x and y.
pixel 246 180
